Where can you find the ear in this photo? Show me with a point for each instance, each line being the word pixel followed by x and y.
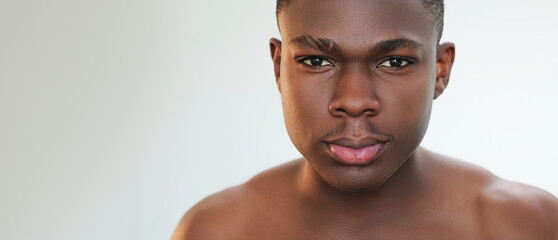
pixel 275 48
pixel 444 62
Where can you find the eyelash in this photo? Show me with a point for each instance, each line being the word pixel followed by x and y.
pixel 404 61
pixel 407 62
pixel 302 60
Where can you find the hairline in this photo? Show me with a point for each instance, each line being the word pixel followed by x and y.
pixel 434 7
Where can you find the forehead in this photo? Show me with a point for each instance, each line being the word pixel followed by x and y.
pixel 358 22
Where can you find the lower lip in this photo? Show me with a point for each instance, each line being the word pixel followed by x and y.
pixel 351 156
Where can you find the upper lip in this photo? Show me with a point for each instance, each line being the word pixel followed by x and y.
pixel 355 143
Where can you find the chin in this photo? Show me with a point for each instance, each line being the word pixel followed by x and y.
pixel 357 179
pixel 356 189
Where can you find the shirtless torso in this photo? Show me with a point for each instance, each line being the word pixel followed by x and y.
pixel 443 204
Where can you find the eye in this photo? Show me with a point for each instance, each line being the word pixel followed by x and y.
pixel 315 61
pixel 395 63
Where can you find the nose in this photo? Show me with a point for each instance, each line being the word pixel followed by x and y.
pixel 354 94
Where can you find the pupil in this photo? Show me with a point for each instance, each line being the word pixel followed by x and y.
pixel 396 62
pixel 316 62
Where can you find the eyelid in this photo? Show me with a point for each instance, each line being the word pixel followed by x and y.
pixel 409 61
pixel 301 59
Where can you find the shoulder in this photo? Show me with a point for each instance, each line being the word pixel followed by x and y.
pixel 212 217
pixel 225 214
pixel 507 207
pixel 503 209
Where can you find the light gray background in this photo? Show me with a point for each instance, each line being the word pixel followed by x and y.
pixel 117 116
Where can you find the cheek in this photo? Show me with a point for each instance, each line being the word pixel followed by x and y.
pixel 304 108
pixel 410 111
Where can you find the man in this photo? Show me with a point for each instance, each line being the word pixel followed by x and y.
pixel 357 81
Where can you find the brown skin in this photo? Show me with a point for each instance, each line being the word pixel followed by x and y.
pixel 367 83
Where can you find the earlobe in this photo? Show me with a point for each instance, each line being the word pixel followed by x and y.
pixel 275 49
pixel 444 63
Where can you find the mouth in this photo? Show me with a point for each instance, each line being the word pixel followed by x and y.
pixel 349 151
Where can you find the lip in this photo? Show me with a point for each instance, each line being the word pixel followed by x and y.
pixel 353 151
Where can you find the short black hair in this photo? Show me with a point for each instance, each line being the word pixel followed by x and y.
pixel 436 7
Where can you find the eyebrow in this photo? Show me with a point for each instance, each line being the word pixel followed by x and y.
pixel 391 45
pixel 322 44
pixel 329 46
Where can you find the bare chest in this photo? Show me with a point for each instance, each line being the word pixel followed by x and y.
pixel 453 225
pixel 276 226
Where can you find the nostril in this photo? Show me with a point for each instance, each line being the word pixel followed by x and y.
pixel 336 111
pixel 370 112
pixel 341 109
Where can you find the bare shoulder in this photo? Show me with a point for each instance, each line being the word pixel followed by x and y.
pixel 225 214
pixel 504 209
pixel 508 207
pixel 211 218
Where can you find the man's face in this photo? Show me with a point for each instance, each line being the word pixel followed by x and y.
pixel 357 81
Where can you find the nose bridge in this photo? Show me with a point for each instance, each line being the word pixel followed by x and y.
pixel 354 92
